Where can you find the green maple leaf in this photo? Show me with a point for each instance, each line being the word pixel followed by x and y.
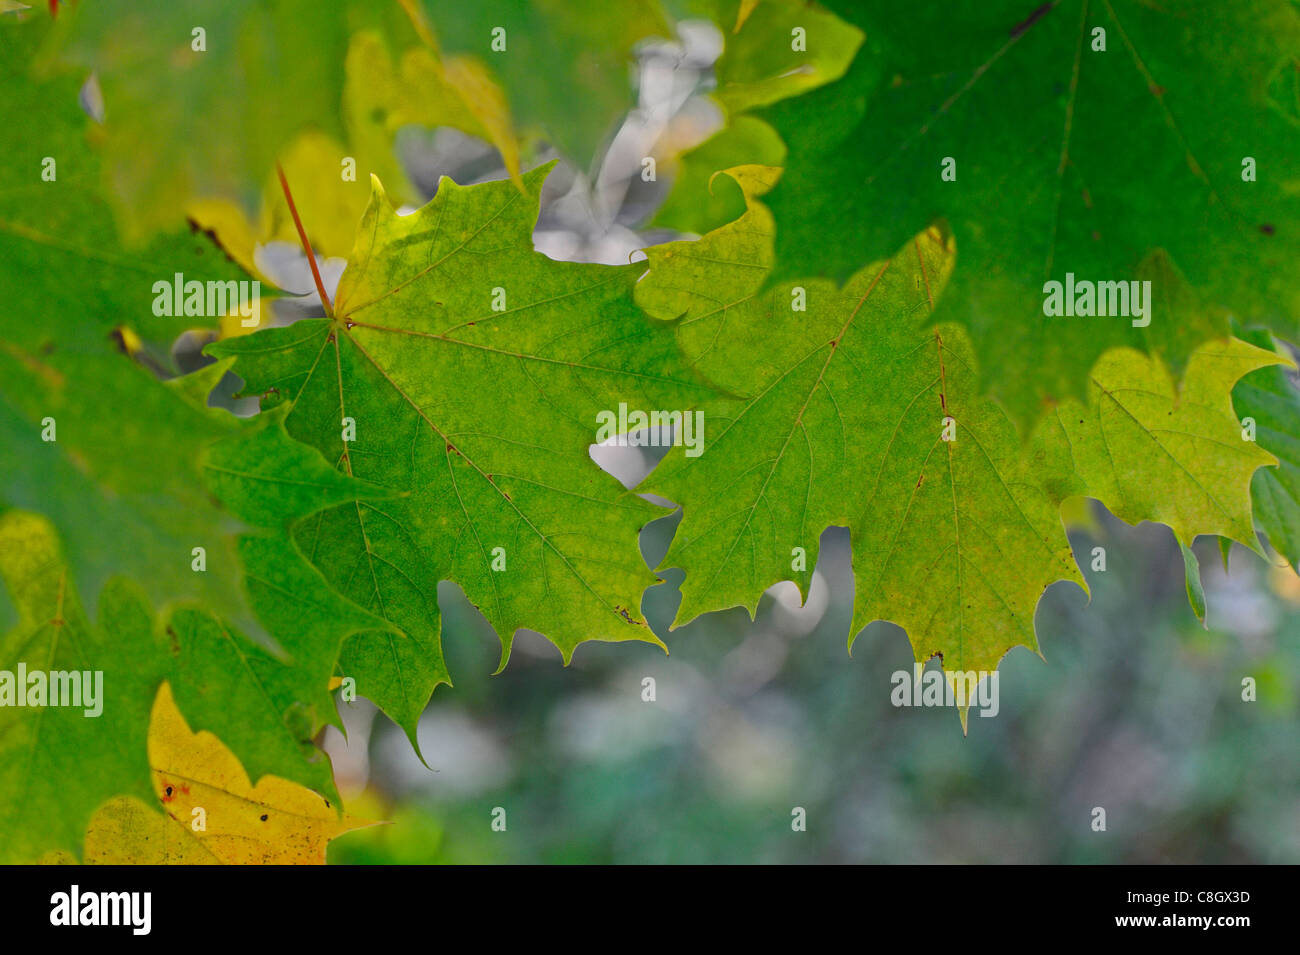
pixel 220 675
pixel 846 413
pixel 116 460
pixel 1270 397
pixel 386 90
pixel 268 704
pixel 776 49
pixel 472 370
pixel 1151 451
pixel 127 490
pixel 95 441
pixel 60 255
pixel 120 476
pixel 700 200
pixel 56 764
pixel 269 480
pixel 855 413
pixel 265 699
pixel 566 66
pixel 1119 164
pixel 761 63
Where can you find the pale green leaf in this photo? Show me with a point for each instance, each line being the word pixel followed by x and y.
pixel 480 419
pixel 852 413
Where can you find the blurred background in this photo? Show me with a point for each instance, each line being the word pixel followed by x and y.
pixel 1137 709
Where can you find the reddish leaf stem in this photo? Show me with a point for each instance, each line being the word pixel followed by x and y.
pixel 306 246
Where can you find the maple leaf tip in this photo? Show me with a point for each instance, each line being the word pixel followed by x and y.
pixel 535 178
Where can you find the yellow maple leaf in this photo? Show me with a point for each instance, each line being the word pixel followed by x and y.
pixel 212 812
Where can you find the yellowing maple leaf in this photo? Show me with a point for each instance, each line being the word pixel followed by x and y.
pixel 212 812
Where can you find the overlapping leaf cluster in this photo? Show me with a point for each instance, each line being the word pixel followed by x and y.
pixel 435 424
pixel 260 592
